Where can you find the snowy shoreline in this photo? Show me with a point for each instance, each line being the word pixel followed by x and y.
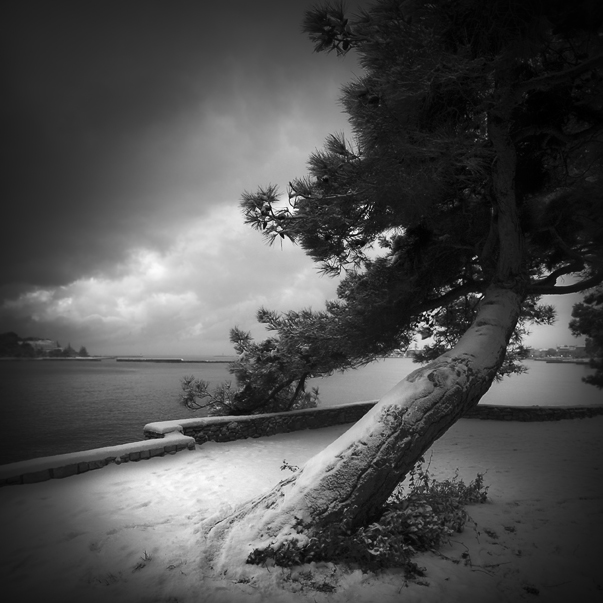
pixel 130 532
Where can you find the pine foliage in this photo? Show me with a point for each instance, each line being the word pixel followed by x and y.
pixel 587 319
pixel 455 97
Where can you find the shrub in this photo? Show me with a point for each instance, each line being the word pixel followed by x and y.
pixel 417 517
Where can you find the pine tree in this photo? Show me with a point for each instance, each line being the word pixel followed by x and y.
pixel 472 185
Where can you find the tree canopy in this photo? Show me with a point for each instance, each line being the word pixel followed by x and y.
pixel 476 158
pixel 471 185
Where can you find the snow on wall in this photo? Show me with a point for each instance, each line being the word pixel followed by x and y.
pixel 65 465
pixel 228 428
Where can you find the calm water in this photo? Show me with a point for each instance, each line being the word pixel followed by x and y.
pixel 56 407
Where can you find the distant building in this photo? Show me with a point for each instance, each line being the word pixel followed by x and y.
pixel 43 345
pixel 571 351
pixel 561 351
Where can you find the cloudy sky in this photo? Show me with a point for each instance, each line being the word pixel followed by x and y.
pixel 130 130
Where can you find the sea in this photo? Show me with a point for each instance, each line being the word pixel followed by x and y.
pixel 53 407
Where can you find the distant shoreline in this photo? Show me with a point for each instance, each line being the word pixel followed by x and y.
pixel 46 358
pixel 99 358
pixel 549 360
pixel 173 360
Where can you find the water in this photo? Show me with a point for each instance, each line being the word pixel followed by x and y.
pixel 56 407
pixel 543 385
pixel 53 407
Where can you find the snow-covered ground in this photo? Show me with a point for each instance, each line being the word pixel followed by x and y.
pixel 130 533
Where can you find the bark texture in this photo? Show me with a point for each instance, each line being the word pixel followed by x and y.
pixel 354 476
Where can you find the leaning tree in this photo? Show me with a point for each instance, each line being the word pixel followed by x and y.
pixel 472 185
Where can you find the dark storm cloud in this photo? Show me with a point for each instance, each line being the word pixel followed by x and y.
pixel 98 106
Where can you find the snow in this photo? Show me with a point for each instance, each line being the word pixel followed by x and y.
pixel 132 533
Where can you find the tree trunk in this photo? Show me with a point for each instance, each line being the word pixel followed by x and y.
pixel 353 477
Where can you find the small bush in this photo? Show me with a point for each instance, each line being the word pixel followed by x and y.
pixel 417 517
pixel 431 510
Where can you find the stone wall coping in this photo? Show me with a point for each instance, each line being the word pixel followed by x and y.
pixel 71 463
pixel 163 427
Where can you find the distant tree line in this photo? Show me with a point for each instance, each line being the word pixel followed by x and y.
pixel 13 346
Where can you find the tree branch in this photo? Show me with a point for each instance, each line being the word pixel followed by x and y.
pixel 551 279
pixel 298 390
pixel 583 136
pixel 280 388
pixel 586 135
pixel 534 130
pixel 452 295
pixel 542 288
pixel 547 82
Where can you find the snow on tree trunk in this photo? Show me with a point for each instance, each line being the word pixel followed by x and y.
pixel 354 476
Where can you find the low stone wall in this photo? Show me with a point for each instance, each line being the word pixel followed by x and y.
pixel 532 413
pixel 169 437
pixel 226 429
pixel 73 463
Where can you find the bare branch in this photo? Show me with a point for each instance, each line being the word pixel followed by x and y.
pixel 542 288
pixel 551 278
